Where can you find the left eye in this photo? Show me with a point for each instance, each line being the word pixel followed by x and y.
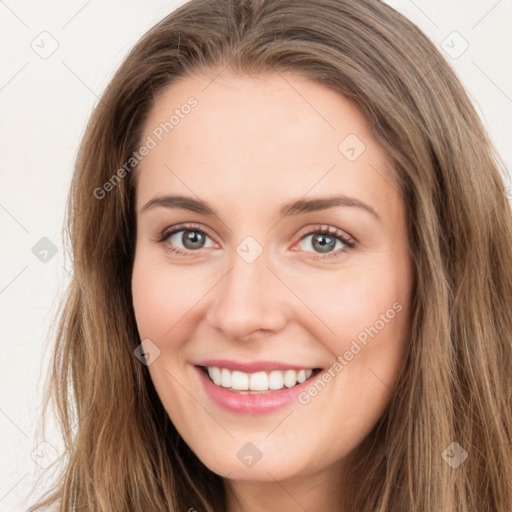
pixel 324 242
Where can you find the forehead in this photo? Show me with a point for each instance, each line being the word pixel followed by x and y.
pixel 264 136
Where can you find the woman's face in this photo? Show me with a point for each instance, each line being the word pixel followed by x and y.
pixel 257 293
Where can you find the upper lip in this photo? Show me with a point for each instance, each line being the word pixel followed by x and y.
pixel 253 366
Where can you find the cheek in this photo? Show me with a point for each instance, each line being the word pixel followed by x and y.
pixel 161 297
pixel 362 317
pixel 345 304
pixel 367 315
pixel 153 302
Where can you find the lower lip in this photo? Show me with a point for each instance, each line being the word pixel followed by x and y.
pixel 252 404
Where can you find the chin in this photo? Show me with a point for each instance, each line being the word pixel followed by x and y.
pixel 257 461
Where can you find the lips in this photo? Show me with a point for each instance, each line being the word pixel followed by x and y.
pixel 253 388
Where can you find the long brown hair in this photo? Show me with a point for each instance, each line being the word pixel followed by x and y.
pixel 456 384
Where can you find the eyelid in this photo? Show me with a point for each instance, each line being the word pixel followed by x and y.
pixel 167 232
pixel 330 230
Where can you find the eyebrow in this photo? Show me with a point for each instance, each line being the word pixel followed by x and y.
pixel 291 208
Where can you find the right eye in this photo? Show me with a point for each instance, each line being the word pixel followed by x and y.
pixel 189 236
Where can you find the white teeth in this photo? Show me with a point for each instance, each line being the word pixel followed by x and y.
pixel 259 381
pixel 225 378
pixel 239 380
pixel 290 378
pixel 275 380
pixel 215 375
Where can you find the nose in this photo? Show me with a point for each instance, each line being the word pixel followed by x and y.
pixel 248 301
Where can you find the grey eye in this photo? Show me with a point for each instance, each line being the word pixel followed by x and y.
pixel 322 242
pixel 191 239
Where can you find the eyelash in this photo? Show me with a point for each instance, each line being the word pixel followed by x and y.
pixel 349 243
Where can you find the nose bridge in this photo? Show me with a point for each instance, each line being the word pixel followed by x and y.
pixel 248 298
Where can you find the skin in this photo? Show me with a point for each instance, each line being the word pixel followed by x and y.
pixel 252 144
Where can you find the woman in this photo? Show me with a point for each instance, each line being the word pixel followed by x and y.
pixel 292 276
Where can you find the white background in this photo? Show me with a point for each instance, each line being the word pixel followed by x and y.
pixel 45 104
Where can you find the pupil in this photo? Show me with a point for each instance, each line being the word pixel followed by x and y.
pixel 193 239
pixel 323 245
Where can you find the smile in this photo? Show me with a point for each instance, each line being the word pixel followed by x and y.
pixel 253 388
pixel 236 381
